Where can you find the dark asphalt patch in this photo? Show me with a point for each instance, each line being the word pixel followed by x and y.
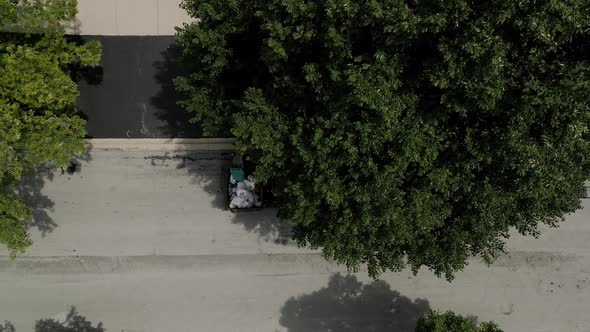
pixel 131 94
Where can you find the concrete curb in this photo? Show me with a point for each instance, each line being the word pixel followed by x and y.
pixel 159 144
pixel 261 263
pixel 243 263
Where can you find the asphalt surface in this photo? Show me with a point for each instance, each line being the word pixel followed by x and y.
pixel 139 240
pixel 131 93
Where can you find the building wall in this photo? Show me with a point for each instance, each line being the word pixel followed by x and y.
pixel 128 17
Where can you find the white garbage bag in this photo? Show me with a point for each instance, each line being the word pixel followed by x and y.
pixel 245 194
pixel 249 184
pixel 238 202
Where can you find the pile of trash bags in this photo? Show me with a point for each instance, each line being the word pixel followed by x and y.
pixel 242 193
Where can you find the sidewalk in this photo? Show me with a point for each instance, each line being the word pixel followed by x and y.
pixel 163 144
pixel 129 17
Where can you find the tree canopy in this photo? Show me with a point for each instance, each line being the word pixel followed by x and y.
pixel 73 321
pixel 400 132
pixel 7 327
pixel 38 125
pixel 450 322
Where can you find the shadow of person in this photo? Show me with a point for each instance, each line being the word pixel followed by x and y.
pixel 348 305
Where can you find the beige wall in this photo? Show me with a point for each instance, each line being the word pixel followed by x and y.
pixel 128 17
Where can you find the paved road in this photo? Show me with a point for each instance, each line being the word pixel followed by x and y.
pixel 137 239
pixel 131 94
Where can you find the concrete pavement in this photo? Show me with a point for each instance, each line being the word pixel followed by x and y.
pixel 128 17
pixel 165 144
pixel 132 201
pixel 137 238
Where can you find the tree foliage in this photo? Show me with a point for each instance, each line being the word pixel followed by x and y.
pixel 74 322
pixel 401 132
pixel 7 327
pixel 450 322
pixel 38 124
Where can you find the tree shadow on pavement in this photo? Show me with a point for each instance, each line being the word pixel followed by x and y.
pixel 204 167
pixel 30 190
pixel 348 305
pixel 176 119
pixel 90 75
pixel 266 224
pixel 208 169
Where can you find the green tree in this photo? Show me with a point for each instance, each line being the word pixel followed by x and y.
pixel 74 322
pixel 38 125
pixel 401 132
pixel 450 322
pixel 7 327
